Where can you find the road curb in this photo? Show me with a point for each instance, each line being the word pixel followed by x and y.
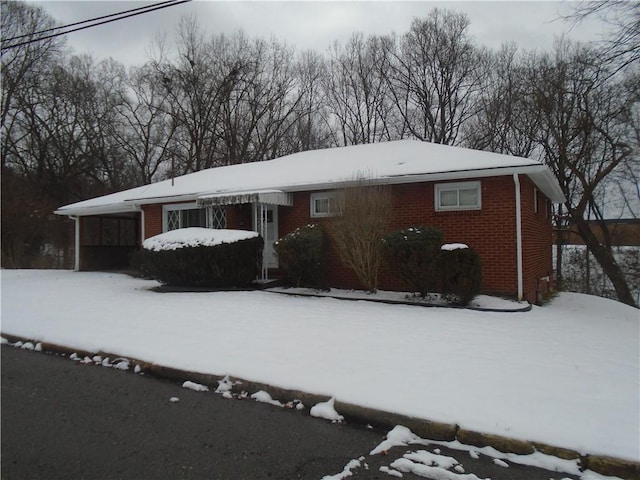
pixel 427 429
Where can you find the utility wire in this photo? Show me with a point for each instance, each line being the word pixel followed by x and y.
pixel 120 16
pixel 84 21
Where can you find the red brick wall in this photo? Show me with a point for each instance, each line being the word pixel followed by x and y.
pixel 239 217
pixel 152 220
pixel 491 232
pixel 537 233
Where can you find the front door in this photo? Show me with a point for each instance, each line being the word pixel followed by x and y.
pixel 267 226
pixel 272 236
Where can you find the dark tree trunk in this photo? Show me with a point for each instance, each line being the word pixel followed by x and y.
pixel 608 263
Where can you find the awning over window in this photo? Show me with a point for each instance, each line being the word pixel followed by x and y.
pixel 268 197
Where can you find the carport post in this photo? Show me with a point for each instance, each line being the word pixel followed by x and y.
pixel 77 243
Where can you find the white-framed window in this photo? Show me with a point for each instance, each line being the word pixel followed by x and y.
pixel 458 196
pixel 535 200
pixel 183 215
pixel 324 204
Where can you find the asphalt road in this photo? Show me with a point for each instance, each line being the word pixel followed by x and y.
pixel 64 420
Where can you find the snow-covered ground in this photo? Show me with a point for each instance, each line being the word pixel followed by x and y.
pixel 566 374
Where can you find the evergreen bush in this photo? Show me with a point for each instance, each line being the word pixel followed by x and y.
pixel 301 256
pixel 235 264
pixel 460 272
pixel 412 255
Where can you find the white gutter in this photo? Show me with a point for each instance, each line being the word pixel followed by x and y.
pixel 183 198
pixel 516 181
pixel 539 174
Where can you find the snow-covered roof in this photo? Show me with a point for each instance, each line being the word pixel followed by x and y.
pixel 402 161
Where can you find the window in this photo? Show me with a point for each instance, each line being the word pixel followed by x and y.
pixel 189 215
pixel 458 196
pixel 535 200
pixel 324 204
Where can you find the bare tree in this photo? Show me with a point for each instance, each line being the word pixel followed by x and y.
pixel 262 110
pixel 362 215
pixel 357 91
pixel 505 122
pixel 311 128
pixel 148 130
pixel 23 67
pixel 585 124
pixel 194 82
pixel 622 46
pixel 435 76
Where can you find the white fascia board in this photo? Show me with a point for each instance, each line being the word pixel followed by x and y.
pixel 97 210
pixel 539 174
pixel 191 197
pixel 548 184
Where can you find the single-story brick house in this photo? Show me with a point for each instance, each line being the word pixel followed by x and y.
pixel 499 205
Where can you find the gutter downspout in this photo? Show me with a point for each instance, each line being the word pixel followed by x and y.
pixel 141 226
pixel 76 267
pixel 516 181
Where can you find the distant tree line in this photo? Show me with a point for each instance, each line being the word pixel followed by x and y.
pixel 74 128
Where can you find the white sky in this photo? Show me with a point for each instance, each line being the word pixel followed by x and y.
pixel 311 24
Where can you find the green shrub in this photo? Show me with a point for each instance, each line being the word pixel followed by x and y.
pixel 412 254
pixel 460 273
pixel 225 265
pixel 301 257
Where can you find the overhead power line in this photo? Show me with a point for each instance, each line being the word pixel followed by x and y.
pixel 93 22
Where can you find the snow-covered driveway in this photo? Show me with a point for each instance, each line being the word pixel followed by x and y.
pixel 566 374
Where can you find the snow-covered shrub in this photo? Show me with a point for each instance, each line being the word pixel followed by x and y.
pixel 412 254
pixel 460 272
pixel 199 257
pixel 301 257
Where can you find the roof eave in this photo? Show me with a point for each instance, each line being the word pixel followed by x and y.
pixel 97 210
pixel 187 197
pixel 539 174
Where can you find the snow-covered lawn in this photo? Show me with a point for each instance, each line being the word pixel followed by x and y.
pixel 566 374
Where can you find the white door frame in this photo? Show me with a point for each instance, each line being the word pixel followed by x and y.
pixel 260 225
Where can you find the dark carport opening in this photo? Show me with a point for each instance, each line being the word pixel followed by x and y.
pixel 109 242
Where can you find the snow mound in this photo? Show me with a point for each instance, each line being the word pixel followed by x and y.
pixel 224 385
pixel 454 246
pixel 433 459
pixel 195 237
pixel 500 463
pixel 390 471
pixel 195 386
pixel 346 472
pixel 399 436
pixel 326 410
pixel 437 473
pixel 174 399
pixel 121 364
pixel 264 397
